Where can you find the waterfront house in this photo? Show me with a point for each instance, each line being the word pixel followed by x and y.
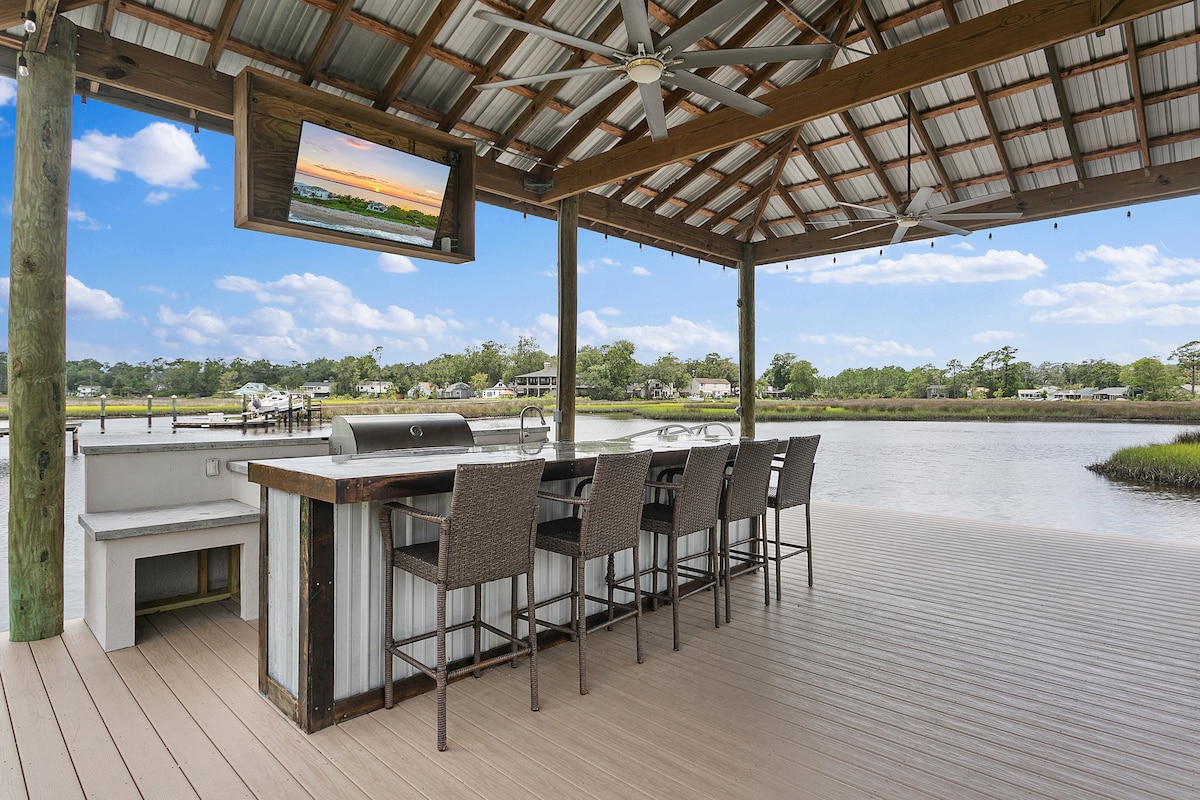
pixel 88 390
pixel 317 390
pixel 376 388
pixel 456 391
pixel 714 388
pixel 376 206
pixel 1112 393
pixel 498 391
pixel 307 190
pixel 537 384
pixel 1043 393
pixel 936 390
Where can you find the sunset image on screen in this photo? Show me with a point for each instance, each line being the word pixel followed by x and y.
pixel 352 185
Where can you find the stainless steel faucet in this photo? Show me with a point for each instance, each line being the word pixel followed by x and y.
pixel 541 416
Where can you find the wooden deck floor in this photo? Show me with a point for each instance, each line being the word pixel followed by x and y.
pixel 935 658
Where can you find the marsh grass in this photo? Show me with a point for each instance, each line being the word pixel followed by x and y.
pixel 1174 464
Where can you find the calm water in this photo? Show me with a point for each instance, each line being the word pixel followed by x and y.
pixel 1023 472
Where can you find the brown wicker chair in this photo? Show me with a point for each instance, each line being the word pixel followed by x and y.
pixel 603 524
pixel 792 488
pixel 745 497
pixel 488 535
pixel 692 508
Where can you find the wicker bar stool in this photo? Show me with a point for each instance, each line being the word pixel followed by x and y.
pixel 488 535
pixel 691 507
pixel 793 487
pixel 604 523
pixel 745 497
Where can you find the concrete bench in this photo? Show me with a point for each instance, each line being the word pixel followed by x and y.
pixel 115 540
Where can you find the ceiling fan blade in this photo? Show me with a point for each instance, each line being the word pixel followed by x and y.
pixel 545 33
pixel 861 230
pixel 545 76
pixel 919 201
pixel 637 24
pixel 756 55
pixel 891 214
pixel 715 91
pixel 943 227
pixel 938 215
pixel 898 235
pixel 706 23
pixel 973 201
pixel 599 96
pixel 656 117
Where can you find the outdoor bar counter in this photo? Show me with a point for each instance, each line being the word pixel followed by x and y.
pixel 321 587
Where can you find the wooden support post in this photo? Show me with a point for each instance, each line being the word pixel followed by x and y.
pixel 746 377
pixel 37 337
pixel 568 316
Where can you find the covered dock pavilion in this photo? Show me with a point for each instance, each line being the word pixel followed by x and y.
pixel 1066 106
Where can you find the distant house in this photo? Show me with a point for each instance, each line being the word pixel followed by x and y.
pixel 710 387
pixel 1112 393
pixel 936 390
pixel 88 390
pixel 1044 393
pixel 421 389
pixel 306 190
pixel 1076 394
pixel 456 391
pixel 497 391
pixel 536 384
pixel 376 206
pixel 374 388
pixel 316 389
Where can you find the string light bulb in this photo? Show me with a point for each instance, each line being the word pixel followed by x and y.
pixel 29 21
pixel 22 66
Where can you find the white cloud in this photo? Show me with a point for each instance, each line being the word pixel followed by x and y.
pixel 609 311
pixel 160 154
pixel 641 272
pixel 993 336
pixel 395 263
pixel 677 335
pixel 157 198
pixel 8 92
pixel 1151 302
pixel 867 347
pixel 921 267
pixel 1144 263
pixel 94 303
pixel 80 216
pixel 328 301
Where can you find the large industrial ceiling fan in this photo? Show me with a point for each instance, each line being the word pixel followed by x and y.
pixel 649 62
pixel 917 212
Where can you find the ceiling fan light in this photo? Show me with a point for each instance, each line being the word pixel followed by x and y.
pixel 905 222
pixel 644 70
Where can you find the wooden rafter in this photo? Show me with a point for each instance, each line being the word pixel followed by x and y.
pixel 869 156
pixel 1064 111
pixel 1139 103
pixel 977 42
pixel 701 166
pixel 781 161
pixel 512 40
pixel 985 109
pixel 415 52
pixel 726 183
pixel 224 27
pixel 325 44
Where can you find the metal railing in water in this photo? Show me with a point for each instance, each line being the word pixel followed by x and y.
pixel 679 429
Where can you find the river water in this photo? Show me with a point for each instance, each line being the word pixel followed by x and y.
pixel 1030 473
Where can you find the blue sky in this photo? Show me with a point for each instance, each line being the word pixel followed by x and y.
pixel 157 269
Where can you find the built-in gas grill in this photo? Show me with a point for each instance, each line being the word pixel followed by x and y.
pixel 370 433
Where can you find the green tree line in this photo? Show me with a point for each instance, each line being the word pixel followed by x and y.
pixel 606 371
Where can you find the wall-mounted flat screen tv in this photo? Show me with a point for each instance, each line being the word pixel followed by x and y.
pixel 344 183
pixel 316 166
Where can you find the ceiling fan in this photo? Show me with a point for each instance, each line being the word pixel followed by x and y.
pixel 649 61
pixel 917 212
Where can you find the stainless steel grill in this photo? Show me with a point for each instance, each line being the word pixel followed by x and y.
pixel 369 433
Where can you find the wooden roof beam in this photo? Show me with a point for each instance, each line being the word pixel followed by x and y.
pixel 731 179
pixel 415 52
pixel 983 40
pixel 325 44
pixel 781 161
pixel 220 36
pixel 1139 102
pixel 869 156
pixel 1064 111
pixel 512 40
pixel 989 119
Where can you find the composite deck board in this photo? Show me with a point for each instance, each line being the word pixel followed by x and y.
pixel 934 658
